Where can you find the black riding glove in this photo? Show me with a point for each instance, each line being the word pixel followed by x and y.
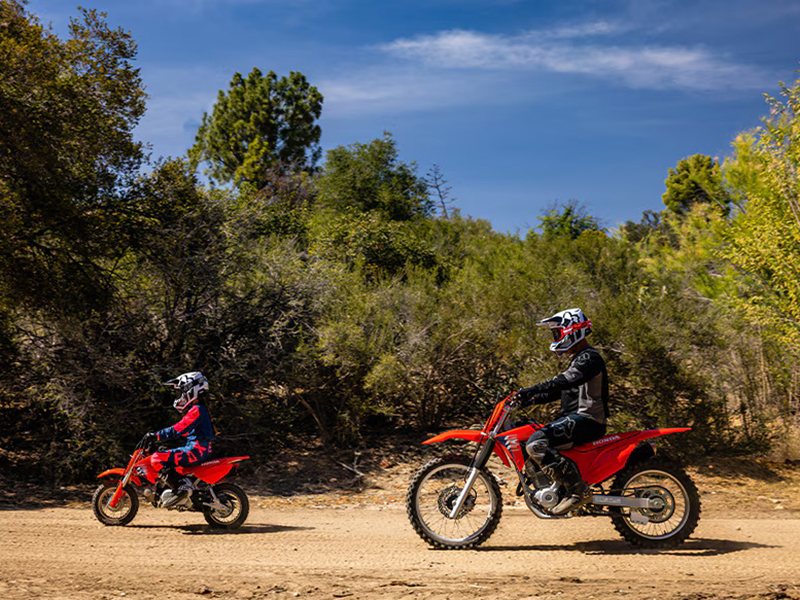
pixel 525 396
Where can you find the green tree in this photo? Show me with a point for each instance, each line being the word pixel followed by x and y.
pixel 764 239
pixel 695 180
pixel 67 112
pixel 568 220
pixel 261 120
pixel 651 222
pixel 371 177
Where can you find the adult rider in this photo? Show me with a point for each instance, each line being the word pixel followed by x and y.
pixel 583 391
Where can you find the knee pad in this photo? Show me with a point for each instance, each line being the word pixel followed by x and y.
pixel 538 449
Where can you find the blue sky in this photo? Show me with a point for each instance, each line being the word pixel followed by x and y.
pixel 521 103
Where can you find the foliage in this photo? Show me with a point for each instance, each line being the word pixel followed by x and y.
pixel 763 243
pixel 764 239
pixel 377 246
pixel 727 355
pixel 261 120
pixel 329 302
pixel 570 220
pixel 650 223
pixel 695 180
pixel 442 192
pixel 370 177
pixel 370 204
pixel 67 112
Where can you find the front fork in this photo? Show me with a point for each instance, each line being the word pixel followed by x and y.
pixel 120 486
pixel 478 462
pixel 124 481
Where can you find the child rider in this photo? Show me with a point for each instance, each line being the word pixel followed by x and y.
pixel 197 429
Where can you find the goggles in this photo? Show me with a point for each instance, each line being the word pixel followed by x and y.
pixel 559 333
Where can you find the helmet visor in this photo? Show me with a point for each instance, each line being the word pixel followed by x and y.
pixel 559 333
pixel 182 401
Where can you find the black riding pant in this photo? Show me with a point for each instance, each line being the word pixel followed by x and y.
pixel 568 431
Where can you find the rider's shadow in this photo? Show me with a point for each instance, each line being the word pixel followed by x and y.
pixel 243 530
pixel 693 547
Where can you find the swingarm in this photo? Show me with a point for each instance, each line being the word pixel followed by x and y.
pixel 653 503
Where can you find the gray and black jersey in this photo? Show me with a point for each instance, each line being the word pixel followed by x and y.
pixel 582 388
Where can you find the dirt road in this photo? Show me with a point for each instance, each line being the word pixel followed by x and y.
pixel 372 552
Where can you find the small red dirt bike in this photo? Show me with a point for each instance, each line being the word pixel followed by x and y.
pixel 455 501
pixel 116 502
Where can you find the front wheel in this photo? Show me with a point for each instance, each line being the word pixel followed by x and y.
pixel 674 504
pixel 231 509
pixel 432 495
pixel 123 513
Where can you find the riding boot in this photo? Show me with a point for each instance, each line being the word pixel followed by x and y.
pixel 172 495
pixel 566 473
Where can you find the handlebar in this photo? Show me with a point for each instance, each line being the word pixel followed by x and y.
pixel 146 445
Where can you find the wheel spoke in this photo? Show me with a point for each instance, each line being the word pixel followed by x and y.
pixel 232 508
pixel 122 513
pixel 670 504
pixel 436 496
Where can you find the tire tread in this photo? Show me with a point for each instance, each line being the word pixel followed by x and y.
pixel 666 464
pixel 129 489
pixel 245 508
pixel 413 488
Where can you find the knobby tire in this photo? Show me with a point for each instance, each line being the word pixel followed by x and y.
pixel 430 537
pixel 221 490
pixel 101 496
pixel 659 466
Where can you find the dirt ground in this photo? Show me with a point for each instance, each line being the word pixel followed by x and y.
pixel 335 542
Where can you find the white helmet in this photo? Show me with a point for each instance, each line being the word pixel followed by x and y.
pixel 568 328
pixel 191 385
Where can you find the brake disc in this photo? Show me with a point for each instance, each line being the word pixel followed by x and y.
pixel 448 498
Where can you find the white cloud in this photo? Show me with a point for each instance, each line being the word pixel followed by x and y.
pixel 459 67
pixel 564 50
pixel 398 89
pixel 580 30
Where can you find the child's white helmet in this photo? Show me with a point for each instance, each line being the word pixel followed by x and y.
pixel 568 327
pixel 191 385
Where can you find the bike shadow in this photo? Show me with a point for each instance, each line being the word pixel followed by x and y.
pixel 208 530
pixel 693 547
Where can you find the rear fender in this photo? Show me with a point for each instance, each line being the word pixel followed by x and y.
pixel 469 435
pixel 641 453
pixel 599 460
pixel 214 470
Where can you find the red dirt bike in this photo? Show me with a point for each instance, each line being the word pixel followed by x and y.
pixel 455 501
pixel 115 501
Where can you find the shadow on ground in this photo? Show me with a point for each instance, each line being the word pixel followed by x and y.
pixel 208 530
pixel 694 547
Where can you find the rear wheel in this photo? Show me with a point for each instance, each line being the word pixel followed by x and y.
pixel 125 510
pixel 674 504
pixel 432 495
pixel 231 509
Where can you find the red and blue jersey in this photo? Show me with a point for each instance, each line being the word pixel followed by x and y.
pixel 195 426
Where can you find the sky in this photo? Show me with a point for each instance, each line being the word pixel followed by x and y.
pixel 522 104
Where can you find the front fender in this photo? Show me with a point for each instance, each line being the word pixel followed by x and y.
pixel 121 473
pixel 469 435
